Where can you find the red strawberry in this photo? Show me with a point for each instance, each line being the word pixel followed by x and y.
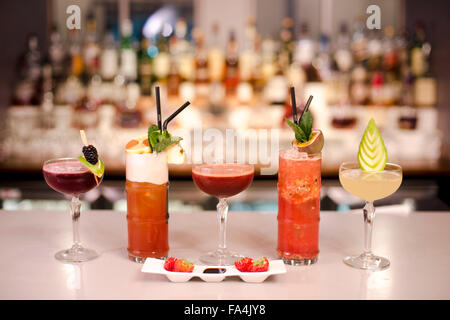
pixel 182 265
pixel 260 265
pixel 169 263
pixel 243 264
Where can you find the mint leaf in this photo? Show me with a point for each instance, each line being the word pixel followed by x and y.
pixel 306 124
pixel 153 133
pixel 299 133
pixel 159 141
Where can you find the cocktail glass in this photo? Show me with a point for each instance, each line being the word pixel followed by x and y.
pixel 70 177
pixel 369 186
pixel 147 184
pixel 222 181
pixel 299 183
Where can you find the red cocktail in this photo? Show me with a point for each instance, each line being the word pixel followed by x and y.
pixel 222 181
pixel 69 176
pixel 299 182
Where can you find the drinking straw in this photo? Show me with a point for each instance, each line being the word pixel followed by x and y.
pixel 173 115
pixel 158 107
pixel 294 105
pixel 306 107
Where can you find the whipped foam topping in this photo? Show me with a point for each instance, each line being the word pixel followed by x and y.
pixel 147 167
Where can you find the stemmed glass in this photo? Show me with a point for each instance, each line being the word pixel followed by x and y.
pixel 222 181
pixel 369 186
pixel 68 176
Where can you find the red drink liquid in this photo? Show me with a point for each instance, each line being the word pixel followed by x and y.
pixel 299 182
pixel 69 177
pixel 222 180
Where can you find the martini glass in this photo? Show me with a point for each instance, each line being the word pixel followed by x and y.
pixel 369 186
pixel 222 181
pixel 70 177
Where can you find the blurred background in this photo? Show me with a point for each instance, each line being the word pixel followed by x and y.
pixel 234 61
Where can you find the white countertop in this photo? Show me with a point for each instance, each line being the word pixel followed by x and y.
pixel 417 244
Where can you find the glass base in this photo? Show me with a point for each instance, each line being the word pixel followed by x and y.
pixel 302 262
pixel 142 259
pixel 76 254
pixel 367 261
pixel 220 258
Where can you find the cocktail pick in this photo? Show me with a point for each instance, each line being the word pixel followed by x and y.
pixel 158 107
pixel 173 115
pixel 83 138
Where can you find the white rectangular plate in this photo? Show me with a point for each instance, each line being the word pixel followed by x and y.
pixel 156 266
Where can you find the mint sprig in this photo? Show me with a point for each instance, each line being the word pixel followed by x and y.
pixel 158 140
pixel 304 129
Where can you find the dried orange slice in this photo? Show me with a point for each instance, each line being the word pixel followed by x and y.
pixel 138 145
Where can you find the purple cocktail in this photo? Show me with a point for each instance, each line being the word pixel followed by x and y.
pixel 69 176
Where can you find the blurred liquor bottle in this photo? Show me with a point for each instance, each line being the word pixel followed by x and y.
pixel 287 45
pixel 128 58
pixel 425 83
pixel 201 63
pixel 231 64
pixel 145 66
pixel 109 59
pixel 57 56
pixel 247 56
pixel 162 61
pixel 216 57
pixel 91 48
pixel 27 91
pixel 306 51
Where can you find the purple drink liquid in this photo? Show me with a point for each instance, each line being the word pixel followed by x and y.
pixel 69 177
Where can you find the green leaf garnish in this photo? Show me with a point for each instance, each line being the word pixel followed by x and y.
pixel 158 140
pixel 304 129
pixel 98 169
pixel 306 123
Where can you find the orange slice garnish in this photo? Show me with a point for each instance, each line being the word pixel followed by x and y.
pixel 138 145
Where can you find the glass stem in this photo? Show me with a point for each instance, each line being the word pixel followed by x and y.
pixel 222 212
pixel 369 215
pixel 75 206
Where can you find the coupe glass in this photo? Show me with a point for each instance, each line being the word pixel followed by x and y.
pixel 369 186
pixel 222 181
pixel 70 177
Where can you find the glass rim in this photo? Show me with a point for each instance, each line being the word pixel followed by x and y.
pixel 355 165
pixel 60 159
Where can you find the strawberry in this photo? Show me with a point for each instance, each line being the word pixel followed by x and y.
pixel 169 263
pixel 243 264
pixel 260 265
pixel 182 265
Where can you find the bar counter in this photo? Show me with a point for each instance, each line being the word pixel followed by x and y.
pixel 416 244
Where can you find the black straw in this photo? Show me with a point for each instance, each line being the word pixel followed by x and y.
pixel 158 107
pixel 173 115
pixel 294 105
pixel 306 107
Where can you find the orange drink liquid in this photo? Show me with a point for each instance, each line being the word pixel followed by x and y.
pixel 299 182
pixel 147 206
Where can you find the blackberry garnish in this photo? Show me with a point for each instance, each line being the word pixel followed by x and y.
pixel 90 153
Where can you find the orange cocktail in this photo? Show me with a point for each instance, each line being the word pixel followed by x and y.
pixel 147 216
pixel 147 182
pixel 299 182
